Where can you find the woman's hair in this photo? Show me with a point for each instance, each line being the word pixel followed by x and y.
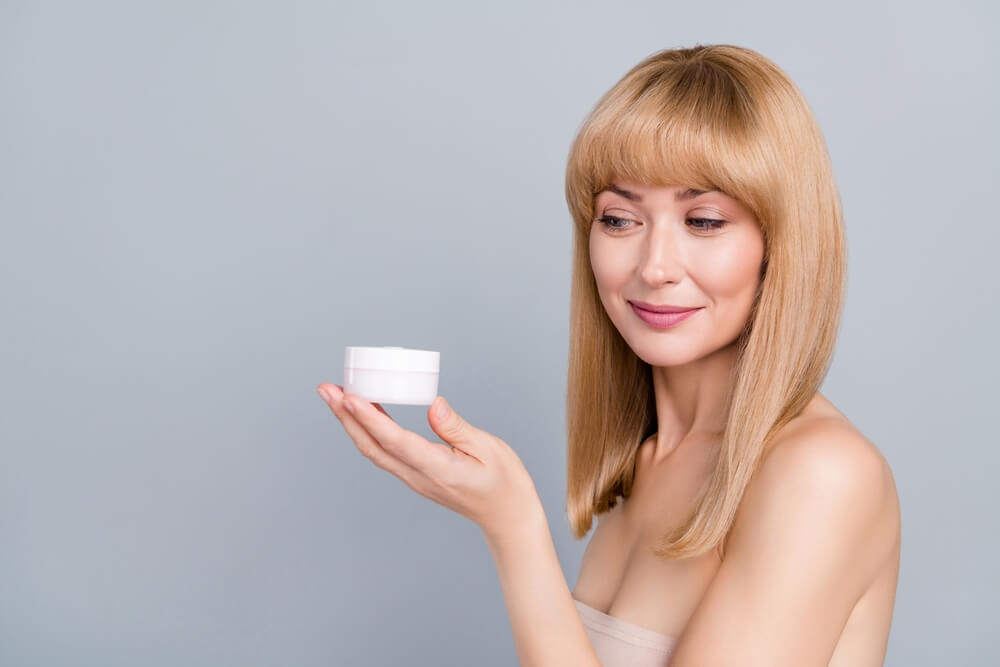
pixel 708 117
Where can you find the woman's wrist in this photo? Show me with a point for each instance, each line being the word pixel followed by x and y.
pixel 531 524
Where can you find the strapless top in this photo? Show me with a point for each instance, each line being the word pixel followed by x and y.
pixel 622 644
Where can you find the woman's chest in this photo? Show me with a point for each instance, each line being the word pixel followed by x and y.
pixel 621 576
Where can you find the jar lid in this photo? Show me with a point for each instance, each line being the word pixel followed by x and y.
pixel 392 359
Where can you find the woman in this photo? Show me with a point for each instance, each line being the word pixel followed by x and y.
pixel 742 519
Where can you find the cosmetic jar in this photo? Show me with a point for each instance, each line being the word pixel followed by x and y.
pixel 392 374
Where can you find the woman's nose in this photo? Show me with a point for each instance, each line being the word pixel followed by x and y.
pixel 661 260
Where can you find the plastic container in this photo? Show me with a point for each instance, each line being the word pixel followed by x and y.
pixel 396 375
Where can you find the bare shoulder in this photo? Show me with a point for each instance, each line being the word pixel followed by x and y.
pixel 831 448
pixel 827 449
pixel 816 525
pixel 830 469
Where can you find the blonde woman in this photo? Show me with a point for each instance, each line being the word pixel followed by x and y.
pixel 741 518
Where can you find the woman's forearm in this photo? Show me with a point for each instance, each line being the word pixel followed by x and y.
pixel 548 631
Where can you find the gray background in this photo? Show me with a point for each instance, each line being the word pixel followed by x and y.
pixel 203 203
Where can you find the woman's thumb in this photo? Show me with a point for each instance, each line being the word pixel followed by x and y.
pixel 453 429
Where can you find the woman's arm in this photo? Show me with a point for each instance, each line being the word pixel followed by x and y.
pixel 481 477
pixel 548 630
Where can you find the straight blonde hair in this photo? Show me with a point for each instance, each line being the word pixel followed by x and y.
pixel 708 117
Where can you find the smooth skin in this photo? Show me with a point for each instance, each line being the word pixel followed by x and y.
pixel 809 573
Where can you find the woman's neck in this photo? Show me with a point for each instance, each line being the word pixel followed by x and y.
pixel 690 399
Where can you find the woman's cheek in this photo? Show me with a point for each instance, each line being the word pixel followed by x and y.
pixel 733 271
pixel 606 266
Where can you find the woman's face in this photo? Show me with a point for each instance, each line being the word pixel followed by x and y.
pixel 659 245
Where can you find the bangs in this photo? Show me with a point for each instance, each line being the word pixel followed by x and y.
pixel 691 127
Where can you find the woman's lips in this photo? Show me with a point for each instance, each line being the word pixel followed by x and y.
pixel 662 320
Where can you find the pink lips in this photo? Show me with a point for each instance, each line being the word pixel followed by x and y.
pixel 662 320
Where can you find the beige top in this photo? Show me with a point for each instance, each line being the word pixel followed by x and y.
pixel 621 644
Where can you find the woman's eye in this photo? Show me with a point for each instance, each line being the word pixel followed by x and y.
pixel 706 223
pixel 611 223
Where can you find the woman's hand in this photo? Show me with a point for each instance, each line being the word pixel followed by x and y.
pixel 479 476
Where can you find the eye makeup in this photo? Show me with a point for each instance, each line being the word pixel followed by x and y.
pixel 610 223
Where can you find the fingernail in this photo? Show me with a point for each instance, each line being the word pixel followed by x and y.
pixel 324 394
pixel 442 409
pixel 348 405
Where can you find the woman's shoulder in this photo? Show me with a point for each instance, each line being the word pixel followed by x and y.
pixel 821 463
pixel 823 439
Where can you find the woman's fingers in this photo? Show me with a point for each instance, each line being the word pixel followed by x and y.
pixel 367 445
pixel 487 490
pixel 378 406
pixel 431 459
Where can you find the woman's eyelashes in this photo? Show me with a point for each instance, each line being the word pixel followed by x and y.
pixel 610 223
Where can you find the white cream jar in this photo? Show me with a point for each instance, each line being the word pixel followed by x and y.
pixel 392 374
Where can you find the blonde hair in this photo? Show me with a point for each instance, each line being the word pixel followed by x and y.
pixel 708 117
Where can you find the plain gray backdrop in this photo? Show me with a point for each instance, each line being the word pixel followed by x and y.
pixel 203 203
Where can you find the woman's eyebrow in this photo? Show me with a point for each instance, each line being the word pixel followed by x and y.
pixel 683 195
